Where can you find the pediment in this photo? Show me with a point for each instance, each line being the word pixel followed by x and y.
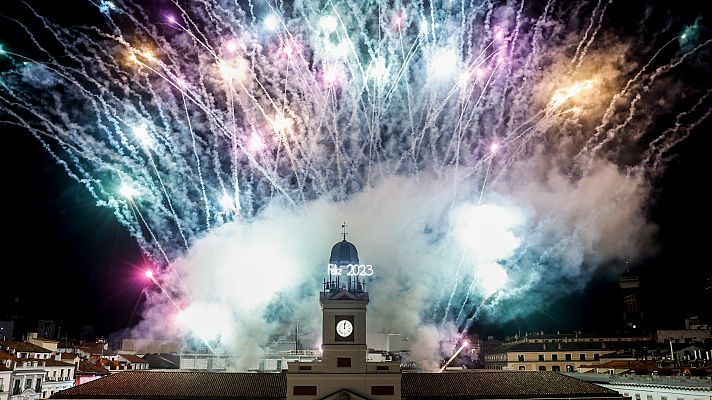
pixel 344 295
pixel 344 394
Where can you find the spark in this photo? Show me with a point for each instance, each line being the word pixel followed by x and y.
pixel 464 344
pixel 232 70
pixel 288 49
pixel 494 147
pixel 148 55
pixel 378 70
pixel 256 143
pixel 424 27
pixel 563 95
pixel 280 123
pixel 149 274
pixel 128 191
pixel 231 46
pixel 271 22
pixel 141 133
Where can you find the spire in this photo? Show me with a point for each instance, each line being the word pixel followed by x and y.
pixel 343 226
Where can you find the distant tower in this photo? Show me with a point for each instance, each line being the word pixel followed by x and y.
pixel 630 292
pixel 343 371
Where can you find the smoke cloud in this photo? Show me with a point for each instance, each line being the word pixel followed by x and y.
pixel 439 259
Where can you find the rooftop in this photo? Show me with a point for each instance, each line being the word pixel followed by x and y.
pixel 180 385
pixel 217 385
pixel 85 367
pixel 23 346
pixel 162 360
pixel 133 359
pixel 499 385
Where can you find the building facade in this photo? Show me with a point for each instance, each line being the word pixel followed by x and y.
pixel 559 353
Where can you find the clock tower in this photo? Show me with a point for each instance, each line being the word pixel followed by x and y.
pixel 343 304
pixel 343 371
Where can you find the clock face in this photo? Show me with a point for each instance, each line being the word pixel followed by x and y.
pixel 344 328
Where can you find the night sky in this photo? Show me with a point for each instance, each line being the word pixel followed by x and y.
pixel 65 259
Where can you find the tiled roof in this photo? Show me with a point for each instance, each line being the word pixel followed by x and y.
pixel 133 359
pixel 162 361
pixel 85 367
pixel 499 385
pixel 4 355
pixel 180 385
pixel 51 362
pixel 69 356
pixel 23 346
pixel 216 385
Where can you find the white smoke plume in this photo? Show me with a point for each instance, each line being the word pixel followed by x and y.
pixel 241 280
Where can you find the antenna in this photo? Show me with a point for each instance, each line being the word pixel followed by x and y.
pixel 343 226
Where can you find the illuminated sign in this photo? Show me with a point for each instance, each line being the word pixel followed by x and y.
pixel 350 270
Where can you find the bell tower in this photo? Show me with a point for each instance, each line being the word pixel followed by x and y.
pixel 344 372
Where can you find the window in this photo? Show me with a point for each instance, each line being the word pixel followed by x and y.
pixel 556 368
pixel 637 396
pixel 521 357
pixel 16 387
pixel 343 362
pixel 382 390
pixel 382 368
pixel 542 368
pixel 649 397
pixel 568 357
pixel 305 368
pixel 596 356
pixel 522 368
pixel 663 397
pixel 569 368
pixel 38 385
pixel 582 357
pixel 305 391
pixel 541 357
pixel 554 357
pixel 28 383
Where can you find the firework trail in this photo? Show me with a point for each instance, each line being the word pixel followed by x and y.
pixel 198 117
